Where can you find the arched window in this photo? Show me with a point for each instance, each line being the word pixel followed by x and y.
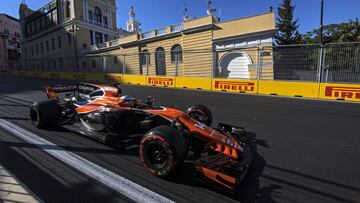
pixel 235 65
pixel 97 15
pixel 144 58
pixel 176 54
pixel 160 62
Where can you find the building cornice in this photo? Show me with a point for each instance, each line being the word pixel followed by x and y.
pixel 252 34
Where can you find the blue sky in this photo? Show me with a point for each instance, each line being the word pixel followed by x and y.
pixel 161 13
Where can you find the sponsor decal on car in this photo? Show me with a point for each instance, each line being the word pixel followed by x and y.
pixel 234 86
pixel 87 88
pixel 200 125
pixel 160 81
pixel 342 92
pixel 111 89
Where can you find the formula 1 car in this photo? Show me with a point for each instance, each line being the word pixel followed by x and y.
pixel 166 136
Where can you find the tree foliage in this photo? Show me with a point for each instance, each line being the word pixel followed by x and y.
pixel 333 33
pixel 287 26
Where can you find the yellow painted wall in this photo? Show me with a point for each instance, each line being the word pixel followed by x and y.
pixel 243 26
pixel 197 56
pixel 347 92
pixel 134 79
pixel 199 22
pixel 193 83
pixel 304 89
pixel 167 44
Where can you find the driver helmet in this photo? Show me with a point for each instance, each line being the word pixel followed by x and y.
pixel 125 98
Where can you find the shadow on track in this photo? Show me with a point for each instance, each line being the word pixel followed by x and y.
pixel 13 118
pixel 54 182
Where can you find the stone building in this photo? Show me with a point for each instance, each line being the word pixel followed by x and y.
pixel 9 42
pixel 197 47
pixel 53 35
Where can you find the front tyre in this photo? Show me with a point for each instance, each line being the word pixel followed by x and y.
pixel 200 113
pixel 162 150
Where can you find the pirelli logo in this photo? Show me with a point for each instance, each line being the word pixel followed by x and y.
pixel 113 78
pixel 234 86
pixel 80 76
pixel 342 92
pixel 161 81
pixel 55 75
pixel 37 74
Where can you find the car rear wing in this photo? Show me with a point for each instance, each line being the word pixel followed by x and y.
pixel 52 91
pixel 82 88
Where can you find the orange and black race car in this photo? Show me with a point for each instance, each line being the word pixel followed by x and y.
pixel 166 136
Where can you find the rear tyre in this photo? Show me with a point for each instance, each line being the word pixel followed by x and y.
pixel 162 150
pixel 200 113
pixel 44 113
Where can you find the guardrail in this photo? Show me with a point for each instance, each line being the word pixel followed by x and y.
pixel 328 91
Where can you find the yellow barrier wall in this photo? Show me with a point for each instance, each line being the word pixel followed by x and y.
pixel 232 85
pixel 193 83
pixel 160 81
pixel 134 79
pixel 67 76
pixel 298 89
pixel 348 92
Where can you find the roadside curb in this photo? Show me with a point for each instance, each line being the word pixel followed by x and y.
pixel 13 190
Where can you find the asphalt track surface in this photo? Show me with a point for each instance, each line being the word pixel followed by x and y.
pixel 306 150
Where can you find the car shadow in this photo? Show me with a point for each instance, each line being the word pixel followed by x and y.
pixel 250 189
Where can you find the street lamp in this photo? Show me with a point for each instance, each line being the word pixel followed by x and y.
pixel 321 22
pixel 74 29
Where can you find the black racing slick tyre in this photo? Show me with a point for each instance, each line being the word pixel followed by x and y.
pixel 44 113
pixel 200 113
pixel 162 151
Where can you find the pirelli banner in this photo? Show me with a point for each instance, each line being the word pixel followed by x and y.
pixel 347 92
pixel 117 78
pixel 232 85
pixel 160 81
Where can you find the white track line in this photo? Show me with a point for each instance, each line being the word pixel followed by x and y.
pixel 120 184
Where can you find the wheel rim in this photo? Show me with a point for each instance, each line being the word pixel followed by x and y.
pixel 199 117
pixel 34 116
pixel 157 155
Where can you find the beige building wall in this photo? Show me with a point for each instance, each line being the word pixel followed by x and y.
pixel 246 25
pixel 166 44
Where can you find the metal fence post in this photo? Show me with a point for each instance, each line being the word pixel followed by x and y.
pixel 104 64
pixel 124 64
pixel 176 63
pixel 147 57
pixel 323 65
pixel 320 65
pixel 214 63
pixel 258 64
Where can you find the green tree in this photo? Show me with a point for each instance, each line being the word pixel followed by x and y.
pixel 351 31
pixel 287 26
pixel 333 33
